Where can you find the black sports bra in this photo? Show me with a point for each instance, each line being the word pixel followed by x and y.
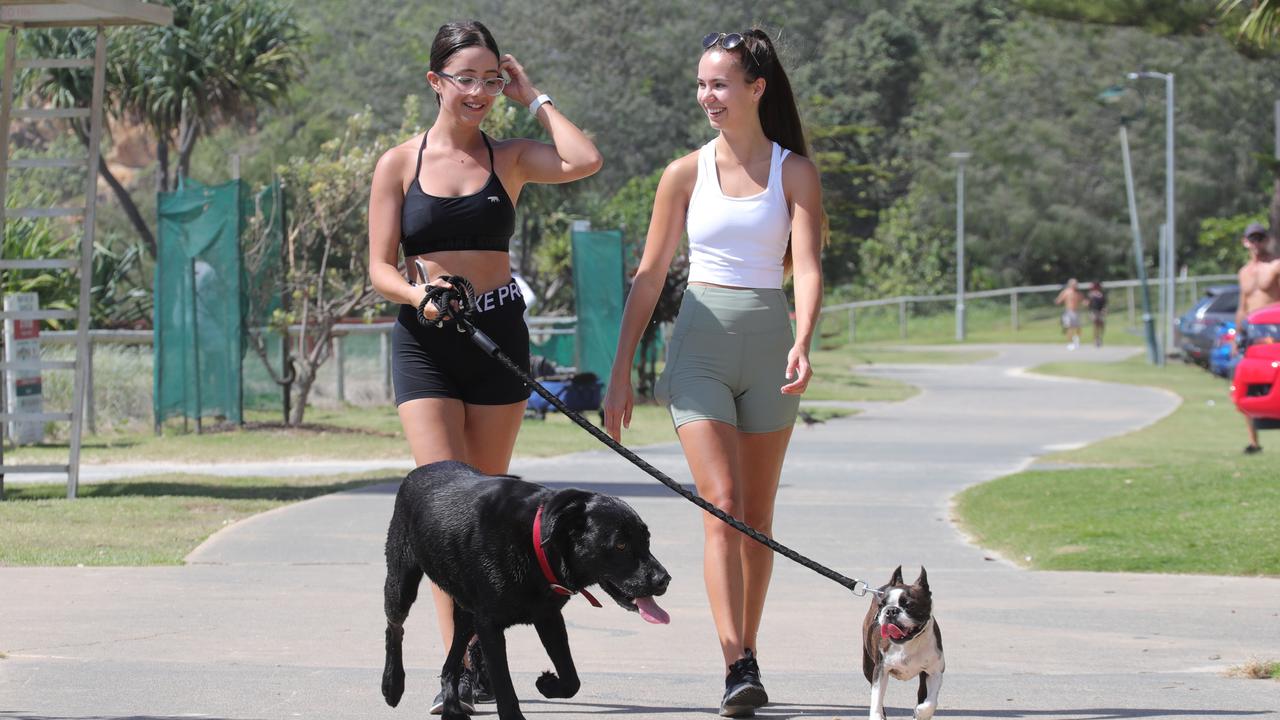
pixel 483 220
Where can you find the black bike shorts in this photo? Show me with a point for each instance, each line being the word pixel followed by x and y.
pixel 432 362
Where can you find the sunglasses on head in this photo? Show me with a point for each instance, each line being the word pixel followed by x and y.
pixel 728 41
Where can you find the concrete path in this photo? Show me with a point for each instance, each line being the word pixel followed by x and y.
pixel 280 616
pixel 105 472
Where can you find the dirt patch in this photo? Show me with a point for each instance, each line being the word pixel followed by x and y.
pixel 1070 549
pixel 1256 670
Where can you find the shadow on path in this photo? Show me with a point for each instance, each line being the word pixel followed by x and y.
pixel 1095 713
pixel 649 488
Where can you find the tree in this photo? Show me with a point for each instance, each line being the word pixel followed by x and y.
pixel 1219 243
pixel 1161 17
pixel 1261 26
pixel 1253 30
pixel 35 238
pixel 1256 24
pixel 1044 190
pixel 218 64
pixel 541 247
pixel 323 266
pixel 855 99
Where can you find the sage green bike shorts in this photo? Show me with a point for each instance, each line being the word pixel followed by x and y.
pixel 727 359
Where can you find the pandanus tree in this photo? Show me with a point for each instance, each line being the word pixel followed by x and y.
pixel 219 64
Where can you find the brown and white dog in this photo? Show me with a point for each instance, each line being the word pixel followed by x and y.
pixel 901 639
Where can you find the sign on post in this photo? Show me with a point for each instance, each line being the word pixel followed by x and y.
pixel 22 387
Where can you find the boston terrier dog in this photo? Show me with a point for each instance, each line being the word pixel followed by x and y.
pixel 901 638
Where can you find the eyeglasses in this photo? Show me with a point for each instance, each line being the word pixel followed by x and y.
pixel 469 85
pixel 729 41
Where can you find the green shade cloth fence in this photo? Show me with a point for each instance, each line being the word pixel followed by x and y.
pixel 599 293
pixel 201 302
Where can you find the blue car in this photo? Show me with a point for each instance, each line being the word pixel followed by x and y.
pixel 1196 331
pixel 1222 358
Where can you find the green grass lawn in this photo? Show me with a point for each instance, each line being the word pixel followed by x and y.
pixel 329 434
pixel 834 379
pixel 987 321
pixel 155 520
pixel 836 376
pixel 1178 496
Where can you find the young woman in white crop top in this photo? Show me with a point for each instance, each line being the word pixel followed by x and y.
pixel 751 202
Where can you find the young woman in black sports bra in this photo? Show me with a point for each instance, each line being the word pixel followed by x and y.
pixel 447 200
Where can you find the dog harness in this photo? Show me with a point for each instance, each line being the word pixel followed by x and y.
pixel 546 566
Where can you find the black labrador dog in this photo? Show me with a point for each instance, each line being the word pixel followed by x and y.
pixel 473 535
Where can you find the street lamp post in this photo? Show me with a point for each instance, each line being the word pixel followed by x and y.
pixel 1113 96
pixel 1169 233
pixel 960 158
pixel 1154 356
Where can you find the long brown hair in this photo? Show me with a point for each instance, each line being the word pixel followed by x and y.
pixel 779 116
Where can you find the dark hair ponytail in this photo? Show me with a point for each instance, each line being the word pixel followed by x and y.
pixel 779 116
pixel 455 36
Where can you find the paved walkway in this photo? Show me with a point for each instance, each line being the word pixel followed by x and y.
pixel 280 616
pixel 105 472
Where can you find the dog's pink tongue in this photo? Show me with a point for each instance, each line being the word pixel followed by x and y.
pixel 650 611
pixel 891 631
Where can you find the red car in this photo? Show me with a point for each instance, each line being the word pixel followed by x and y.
pixel 1256 385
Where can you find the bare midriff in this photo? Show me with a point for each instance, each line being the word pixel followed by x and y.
pixel 717 285
pixel 485 269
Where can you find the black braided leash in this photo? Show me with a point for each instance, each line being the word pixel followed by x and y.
pixel 461 317
pixel 453 304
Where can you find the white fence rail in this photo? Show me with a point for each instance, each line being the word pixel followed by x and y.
pixel 905 302
pixel 546 326
pixel 539 326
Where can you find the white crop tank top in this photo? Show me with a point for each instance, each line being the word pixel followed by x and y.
pixel 737 241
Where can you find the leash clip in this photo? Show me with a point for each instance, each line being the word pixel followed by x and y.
pixel 862 589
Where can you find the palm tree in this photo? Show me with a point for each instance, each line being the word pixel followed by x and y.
pixel 1253 26
pixel 1261 25
pixel 218 64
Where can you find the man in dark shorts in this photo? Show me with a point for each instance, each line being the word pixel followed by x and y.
pixel 1097 298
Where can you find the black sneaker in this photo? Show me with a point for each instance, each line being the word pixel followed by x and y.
pixel 1252 449
pixel 478 676
pixel 743 692
pixel 464 698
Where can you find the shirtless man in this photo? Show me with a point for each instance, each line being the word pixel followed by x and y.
pixel 1070 298
pixel 1259 287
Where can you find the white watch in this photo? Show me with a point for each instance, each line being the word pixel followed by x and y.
pixel 538 102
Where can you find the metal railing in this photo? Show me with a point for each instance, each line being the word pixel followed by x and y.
pixel 539 326
pixel 555 325
pixel 905 302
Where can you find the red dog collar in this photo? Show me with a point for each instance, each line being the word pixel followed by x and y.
pixel 546 566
